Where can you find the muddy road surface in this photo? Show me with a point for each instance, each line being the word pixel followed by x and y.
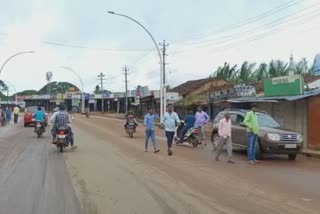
pixel 111 173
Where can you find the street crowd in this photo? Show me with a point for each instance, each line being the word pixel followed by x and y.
pixel 6 114
pixel 199 121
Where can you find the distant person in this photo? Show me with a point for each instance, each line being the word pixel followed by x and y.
pixel 170 119
pixel 61 119
pixel 8 114
pixel 202 118
pixel 251 122
pixel 16 111
pixel 40 116
pixel 225 137
pixel 189 123
pixel 149 120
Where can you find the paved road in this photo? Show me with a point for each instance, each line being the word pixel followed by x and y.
pixel 33 176
pixel 110 173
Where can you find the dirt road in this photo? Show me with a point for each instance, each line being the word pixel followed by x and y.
pixel 33 176
pixel 112 174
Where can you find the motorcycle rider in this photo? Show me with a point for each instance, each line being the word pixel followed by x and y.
pixel 189 123
pixel 130 117
pixel 39 116
pixel 61 118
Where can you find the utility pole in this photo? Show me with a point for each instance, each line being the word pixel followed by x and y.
pixel 164 54
pixel 126 69
pixel 101 77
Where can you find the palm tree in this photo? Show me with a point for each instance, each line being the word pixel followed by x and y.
pixel 302 67
pixel 245 73
pixel 277 68
pixel 262 72
pixel 225 72
pixel 3 86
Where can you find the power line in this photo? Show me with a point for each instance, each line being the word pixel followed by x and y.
pixel 255 38
pixel 54 43
pixel 249 21
pixel 271 25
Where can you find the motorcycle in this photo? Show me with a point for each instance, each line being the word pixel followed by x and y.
pixel 62 140
pixel 130 128
pixel 38 129
pixel 192 136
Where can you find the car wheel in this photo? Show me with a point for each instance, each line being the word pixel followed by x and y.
pixel 25 125
pixel 259 152
pixel 292 157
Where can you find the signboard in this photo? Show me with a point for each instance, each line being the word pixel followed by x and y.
pixel 284 86
pixel 242 90
pixel 173 96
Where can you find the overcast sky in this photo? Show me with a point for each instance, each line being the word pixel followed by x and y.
pixel 202 35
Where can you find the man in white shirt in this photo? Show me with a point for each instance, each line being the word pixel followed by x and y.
pixel 170 119
pixel 225 137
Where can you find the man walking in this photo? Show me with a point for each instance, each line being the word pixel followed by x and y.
pixel 16 111
pixel 251 121
pixel 170 119
pixel 202 118
pixel 225 137
pixel 149 124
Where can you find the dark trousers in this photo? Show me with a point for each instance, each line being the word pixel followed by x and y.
pixel 169 136
pixel 15 118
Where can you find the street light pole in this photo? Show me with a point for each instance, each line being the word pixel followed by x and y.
pixel 160 56
pixel 17 54
pixel 82 90
pixel 14 88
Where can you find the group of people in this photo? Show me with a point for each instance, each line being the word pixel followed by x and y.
pixel 199 120
pixel 169 122
pixel 6 115
pixel 225 137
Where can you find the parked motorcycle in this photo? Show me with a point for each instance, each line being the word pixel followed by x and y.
pixel 192 136
pixel 130 128
pixel 38 129
pixel 62 140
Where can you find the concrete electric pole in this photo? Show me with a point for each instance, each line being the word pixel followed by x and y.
pixel 101 77
pixel 164 54
pixel 126 69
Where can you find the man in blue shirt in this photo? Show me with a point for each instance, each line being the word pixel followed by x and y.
pixel 189 123
pixel 39 116
pixel 170 119
pixel 149 124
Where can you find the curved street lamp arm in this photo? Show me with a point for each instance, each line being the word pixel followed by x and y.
pixel 24 52
pixel 73 71
pixel 144 28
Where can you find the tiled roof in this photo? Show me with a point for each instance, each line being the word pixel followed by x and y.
pixel 191 85
pixel 310 79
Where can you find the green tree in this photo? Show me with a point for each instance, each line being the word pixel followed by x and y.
pixel 226 72
pixel 262 72
pixel 245 74
pixel 277 68
pixel 3 86
pixel 302 67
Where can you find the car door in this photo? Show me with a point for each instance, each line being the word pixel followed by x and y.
pixel 239 134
